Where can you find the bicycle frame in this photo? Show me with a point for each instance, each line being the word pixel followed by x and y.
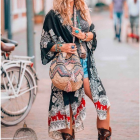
pixel 23 67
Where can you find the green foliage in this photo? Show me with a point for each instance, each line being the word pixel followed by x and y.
pixel 41 13
pixel 100 4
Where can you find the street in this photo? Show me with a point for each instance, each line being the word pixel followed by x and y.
pixel 117 65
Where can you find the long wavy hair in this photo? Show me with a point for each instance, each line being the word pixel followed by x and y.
pixel 63 8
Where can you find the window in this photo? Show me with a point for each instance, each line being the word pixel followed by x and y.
pixel 18 6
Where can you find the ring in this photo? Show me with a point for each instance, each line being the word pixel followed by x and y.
pixel 72 47
pixel 76 31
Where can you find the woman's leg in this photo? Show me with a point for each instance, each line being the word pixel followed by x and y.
pixel 100 123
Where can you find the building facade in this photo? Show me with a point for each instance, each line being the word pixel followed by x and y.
pixel 18 12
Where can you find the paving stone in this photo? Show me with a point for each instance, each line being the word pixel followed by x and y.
pixel 117 65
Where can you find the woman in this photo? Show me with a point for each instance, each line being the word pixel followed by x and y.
pixel 67 110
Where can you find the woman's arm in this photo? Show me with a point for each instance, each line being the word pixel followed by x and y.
pixel 49 41
pixel 65 48
pixel 91 35
pixel 83 36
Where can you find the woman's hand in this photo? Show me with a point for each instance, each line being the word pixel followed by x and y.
pixel 79 35
pixel 69 48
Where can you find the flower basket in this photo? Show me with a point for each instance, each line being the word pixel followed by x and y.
pixel 100 6
pixel 39 17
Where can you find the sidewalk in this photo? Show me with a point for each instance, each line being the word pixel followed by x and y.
pixel 118 67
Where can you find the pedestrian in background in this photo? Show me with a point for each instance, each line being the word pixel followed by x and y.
pixel 133 6
pixel 116 12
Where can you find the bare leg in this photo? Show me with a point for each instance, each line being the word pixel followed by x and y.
pixel 69 131
pixel 100 123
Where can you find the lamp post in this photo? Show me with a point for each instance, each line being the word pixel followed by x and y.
pixel 9 23
pixel 30 29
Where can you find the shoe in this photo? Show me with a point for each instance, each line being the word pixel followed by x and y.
pixel 67 136
pixel 73 134
pixel 104 134
pixel 116 37
pixel 119 40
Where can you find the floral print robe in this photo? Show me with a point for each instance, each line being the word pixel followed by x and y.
pixel 60 101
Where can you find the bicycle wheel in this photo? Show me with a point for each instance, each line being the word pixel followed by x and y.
pixel 32 70
pixel 16 109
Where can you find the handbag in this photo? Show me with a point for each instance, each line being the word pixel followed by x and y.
pixel 66 71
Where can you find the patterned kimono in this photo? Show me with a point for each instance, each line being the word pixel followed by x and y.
pixel 60 101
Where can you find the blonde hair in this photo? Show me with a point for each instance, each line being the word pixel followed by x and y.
pixel 63 8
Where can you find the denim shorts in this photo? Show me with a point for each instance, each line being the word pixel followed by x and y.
pixel 84 65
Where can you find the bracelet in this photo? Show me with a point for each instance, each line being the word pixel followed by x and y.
pixel 58 47
pixel 86 36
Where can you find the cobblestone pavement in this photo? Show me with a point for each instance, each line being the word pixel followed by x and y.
pixel 117 64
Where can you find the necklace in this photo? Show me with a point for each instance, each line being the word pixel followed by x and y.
pixel 76 21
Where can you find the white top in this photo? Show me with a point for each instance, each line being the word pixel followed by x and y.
pixel 133 7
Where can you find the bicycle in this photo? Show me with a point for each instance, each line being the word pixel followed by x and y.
pixel 18 86
pixel 10 48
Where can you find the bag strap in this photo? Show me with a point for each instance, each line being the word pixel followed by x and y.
pixel 74 21
pixel 74 25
